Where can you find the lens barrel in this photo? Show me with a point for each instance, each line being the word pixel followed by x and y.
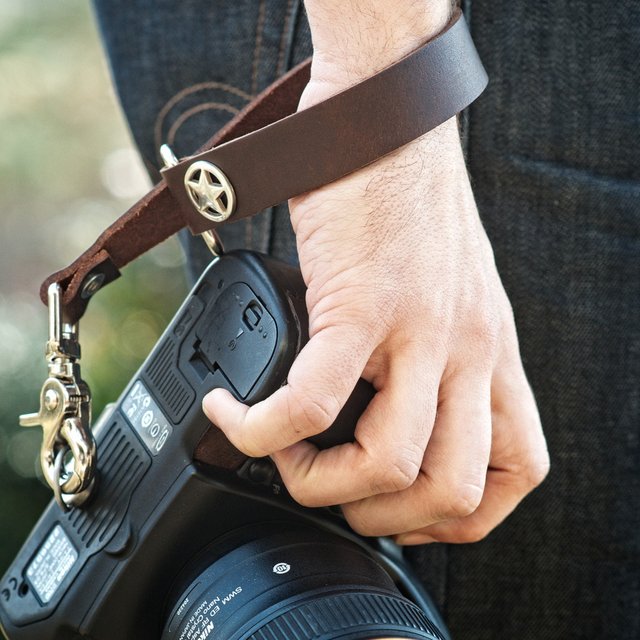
pixel 292 584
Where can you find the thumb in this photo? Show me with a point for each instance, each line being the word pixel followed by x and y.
pixel 319 384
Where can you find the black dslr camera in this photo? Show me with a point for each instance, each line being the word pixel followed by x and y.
pixel 185 538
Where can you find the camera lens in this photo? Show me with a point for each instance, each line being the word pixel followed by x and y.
pixel 284 583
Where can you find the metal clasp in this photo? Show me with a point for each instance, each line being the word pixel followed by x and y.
pixel 68 454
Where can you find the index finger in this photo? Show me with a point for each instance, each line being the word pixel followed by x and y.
pixel 391 437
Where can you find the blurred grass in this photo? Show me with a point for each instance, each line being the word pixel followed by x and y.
pixel 66 172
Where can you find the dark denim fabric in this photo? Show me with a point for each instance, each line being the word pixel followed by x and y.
pixel 553 149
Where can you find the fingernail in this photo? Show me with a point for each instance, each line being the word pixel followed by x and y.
pixel 205 409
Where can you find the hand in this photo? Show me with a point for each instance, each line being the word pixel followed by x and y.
pixel 403 291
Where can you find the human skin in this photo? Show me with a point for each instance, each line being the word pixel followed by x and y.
pixel 403 291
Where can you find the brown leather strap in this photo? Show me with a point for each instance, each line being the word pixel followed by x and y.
pixel 269 153
pixel 346 132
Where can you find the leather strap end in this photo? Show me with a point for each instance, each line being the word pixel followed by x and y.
pixel 80 281
pixel 154 218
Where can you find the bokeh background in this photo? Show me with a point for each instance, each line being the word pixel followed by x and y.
pixel 67 170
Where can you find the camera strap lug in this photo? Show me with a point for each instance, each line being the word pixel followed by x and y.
pixel 68 452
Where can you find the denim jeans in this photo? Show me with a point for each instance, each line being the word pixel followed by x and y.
pixel 553 149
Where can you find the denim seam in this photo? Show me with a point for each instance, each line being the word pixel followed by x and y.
pixel 257 50
pixel 194 88
pixel 281 67
pixel 203 106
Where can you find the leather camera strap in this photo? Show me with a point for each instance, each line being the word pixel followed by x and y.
pixel 269 153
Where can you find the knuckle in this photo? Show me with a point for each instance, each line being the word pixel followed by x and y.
pixel 537 469
pixel 400 476
pixel 464 500
pixel 485 327
pixel 398 473
pixel 534 459
pixel 480 319
pixel 312 413
pixel 302 494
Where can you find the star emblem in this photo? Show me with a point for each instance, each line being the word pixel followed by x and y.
pixel 210 191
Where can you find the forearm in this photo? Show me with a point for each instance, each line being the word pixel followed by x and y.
pixel 353 39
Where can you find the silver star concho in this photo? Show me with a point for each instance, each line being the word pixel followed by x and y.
pixel 210 191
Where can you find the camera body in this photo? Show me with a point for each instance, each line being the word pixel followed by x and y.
pixel 170 483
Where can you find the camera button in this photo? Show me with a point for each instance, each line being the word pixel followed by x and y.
pixel 261 471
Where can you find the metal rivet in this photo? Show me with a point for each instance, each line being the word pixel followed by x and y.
pixel 210 191
pixel 51 399
pixel 92 284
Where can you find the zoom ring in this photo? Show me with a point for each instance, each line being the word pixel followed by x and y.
pixel 350 616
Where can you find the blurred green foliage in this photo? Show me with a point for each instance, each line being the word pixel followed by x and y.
pixel 66 172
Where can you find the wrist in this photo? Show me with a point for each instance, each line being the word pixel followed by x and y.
pixel 354 39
